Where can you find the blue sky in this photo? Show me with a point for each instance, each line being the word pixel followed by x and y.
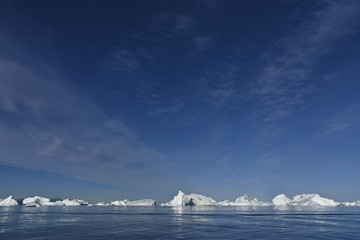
pixel 133 99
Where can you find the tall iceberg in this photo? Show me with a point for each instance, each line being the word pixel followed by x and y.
pixel 192 199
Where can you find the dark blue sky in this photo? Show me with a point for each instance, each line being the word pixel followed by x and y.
pixel 108 100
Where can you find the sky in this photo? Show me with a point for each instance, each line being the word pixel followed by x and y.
pixel 107 100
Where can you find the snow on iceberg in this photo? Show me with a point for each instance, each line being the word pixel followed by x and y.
pixel 73 202
pixel 40 201
pixel 245 201
pixel 9 201
pixel 191 200
pixel 143 202
pixel 281 201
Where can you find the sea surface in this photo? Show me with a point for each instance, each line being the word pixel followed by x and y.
pixel 104 222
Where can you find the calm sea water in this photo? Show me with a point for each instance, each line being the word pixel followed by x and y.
pixel 184 222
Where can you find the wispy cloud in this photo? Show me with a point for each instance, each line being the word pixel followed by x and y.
pixel 284 82
pixel 343 120
pixel 125 63
pixel 184 22
pixel 46 124
pixel 203 42
pixel 221 84
pixel 175 108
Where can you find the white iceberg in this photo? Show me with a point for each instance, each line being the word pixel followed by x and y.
pixel 143 202
pixel 281 201
pixel 102 204
pixel 350 204
pixel 73 202
pixel 40 201
pixel 244 201
pixel 9 201
pixel 312 200
pixel 120 202
pixel 304 200
pixel 191 200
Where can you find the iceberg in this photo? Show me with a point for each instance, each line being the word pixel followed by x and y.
pixel 40 201
pixel 245 201
pixel 281 201
pixel 304 200
pixel 120 203
pixel 143 202
pixel 9 201
pixel 102 204
pixel 73 202
pixel 350 204
pixel 190 200
pixel 312 200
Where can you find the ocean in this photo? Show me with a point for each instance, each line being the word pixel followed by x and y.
pixel 109 222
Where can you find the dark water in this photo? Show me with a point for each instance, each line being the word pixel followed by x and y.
pixel 186 222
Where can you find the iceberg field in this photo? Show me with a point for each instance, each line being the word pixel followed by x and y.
pixel 182 199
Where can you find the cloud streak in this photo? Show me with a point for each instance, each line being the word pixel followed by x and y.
pixel 284 81
pixel 343 120
pixel 48 125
